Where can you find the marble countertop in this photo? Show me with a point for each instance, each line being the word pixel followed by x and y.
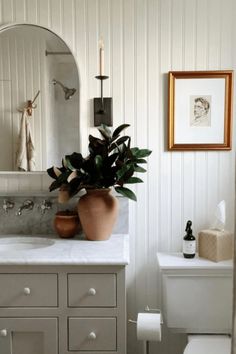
pixel 114 251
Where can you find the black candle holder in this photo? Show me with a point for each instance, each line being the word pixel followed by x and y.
pixel 102 106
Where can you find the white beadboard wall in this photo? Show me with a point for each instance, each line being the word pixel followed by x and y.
pixel 144 39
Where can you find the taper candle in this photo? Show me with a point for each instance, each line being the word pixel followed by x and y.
pixel 101 57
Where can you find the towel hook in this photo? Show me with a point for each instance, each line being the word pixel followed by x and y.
pixel 30 105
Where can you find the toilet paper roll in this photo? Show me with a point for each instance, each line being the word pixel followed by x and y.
pixel 149 327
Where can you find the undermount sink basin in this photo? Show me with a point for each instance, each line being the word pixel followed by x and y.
pixel 8 244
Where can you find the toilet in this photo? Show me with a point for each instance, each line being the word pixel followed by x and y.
pixel 208 344
pixel 197 299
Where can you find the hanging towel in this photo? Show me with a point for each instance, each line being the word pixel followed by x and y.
pixel 25 155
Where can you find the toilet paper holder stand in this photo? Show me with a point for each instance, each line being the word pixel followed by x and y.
pixel 148 309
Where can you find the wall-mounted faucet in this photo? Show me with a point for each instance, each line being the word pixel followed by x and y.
pixel 27 205
pixel 7 205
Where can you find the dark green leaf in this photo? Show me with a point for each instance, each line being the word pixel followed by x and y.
pixel 105 131
pixel 141 161
pixel 126 193
pixel 139 153
pixel 121 172
pixel 120 141
pixel 139 169
pixel 98 161
pixel 119 129
pixel 134 180
pixel 54 185
pixel 109 161
pixel 51 173
pixel 75 159
pixel 68 164
pixel 134 150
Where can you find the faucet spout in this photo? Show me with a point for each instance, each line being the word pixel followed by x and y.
pixel 27 205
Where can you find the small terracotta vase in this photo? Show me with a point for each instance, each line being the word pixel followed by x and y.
pixel 66 224
pixel 98 211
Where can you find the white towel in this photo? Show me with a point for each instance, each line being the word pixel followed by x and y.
pixel 25 155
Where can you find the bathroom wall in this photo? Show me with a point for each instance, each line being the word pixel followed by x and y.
pixel 39 221
pixel 144 39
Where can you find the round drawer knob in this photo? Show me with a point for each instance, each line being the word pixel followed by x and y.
pixel 92 336
pixel 92 291
pixel 27 291
pixel 3 332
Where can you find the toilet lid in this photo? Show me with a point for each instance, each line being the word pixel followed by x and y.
pixel 209 346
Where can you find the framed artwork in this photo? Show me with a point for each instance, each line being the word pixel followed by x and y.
pixel 200 110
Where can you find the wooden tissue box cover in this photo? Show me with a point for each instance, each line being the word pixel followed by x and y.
pixel 215 245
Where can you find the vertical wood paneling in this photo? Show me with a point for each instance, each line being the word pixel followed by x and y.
pixel 68 22
pixel 141 139
pixel 31 11
pixel 7 11
pixel 92 54
pixel 56 15
pixel 226 162
pixel 215 34
pixel 153 103
pixel 189 34
pixel 144 39
pixel 202 34
pixel 117 60
pixel 19 10
pixel 81 47
pixel 43 12
pixel 164 207
pixel 177 51
pixel 108 29
pixel 129 112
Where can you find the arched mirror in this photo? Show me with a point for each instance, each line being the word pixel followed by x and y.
pixel 36 63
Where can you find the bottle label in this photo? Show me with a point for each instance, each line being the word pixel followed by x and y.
pixel 189 247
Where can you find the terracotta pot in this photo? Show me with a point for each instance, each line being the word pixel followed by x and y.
pixel 98 211
pixel 66 224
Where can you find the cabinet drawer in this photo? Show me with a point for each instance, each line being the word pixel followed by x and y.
pixel 91 290
pixel 92 333
pixel 28 290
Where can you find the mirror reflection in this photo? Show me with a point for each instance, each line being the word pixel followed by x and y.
pixel 39 99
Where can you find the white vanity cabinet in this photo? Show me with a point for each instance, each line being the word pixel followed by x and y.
pixel 62 310
pixel 68 298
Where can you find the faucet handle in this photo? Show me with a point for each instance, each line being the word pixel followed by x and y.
pixel 7 204
pixel 45 205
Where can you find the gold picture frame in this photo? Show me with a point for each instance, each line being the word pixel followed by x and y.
pixel 200 110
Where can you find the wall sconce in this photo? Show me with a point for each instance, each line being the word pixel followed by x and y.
pixel 102 105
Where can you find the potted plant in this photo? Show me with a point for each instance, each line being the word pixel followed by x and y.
pixel 111 162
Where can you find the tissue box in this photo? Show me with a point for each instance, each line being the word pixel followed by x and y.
pixel 215 245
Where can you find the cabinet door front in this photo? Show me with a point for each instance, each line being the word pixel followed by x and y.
pixel 28 335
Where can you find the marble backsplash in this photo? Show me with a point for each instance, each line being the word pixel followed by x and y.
pixel 35 222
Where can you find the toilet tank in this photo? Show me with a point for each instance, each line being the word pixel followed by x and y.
pixel 196 294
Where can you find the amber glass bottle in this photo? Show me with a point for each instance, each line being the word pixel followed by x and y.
pixel 189 242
